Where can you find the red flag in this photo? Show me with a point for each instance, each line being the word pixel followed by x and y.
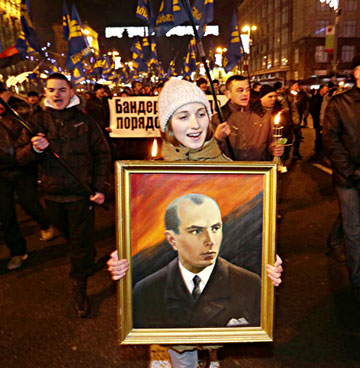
pixel 10 56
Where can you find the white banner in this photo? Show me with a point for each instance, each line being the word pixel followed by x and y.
pixel 137 117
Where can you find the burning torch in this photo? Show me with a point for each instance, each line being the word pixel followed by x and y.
pixel 278 139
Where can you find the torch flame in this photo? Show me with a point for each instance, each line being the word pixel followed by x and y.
pixel 277 118
pixel 154 148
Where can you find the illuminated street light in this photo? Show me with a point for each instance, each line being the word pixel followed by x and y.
pixel 246 39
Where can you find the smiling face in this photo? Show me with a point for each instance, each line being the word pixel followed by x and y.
pixel 200 234
pixel 190 124
pixel 239 92
pixel 58 93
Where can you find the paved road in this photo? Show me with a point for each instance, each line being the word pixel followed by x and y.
pixel 317 323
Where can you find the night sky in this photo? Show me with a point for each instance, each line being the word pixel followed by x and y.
pixel 101 13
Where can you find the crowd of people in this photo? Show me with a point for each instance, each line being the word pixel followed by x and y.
pixel 68 151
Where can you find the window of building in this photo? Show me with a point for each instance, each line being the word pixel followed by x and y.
pixel 285 15
pixel 349 28
pixel 269 62
pixel 296 56
pixel 270 7
pixel 320 55
pixel 284 36
pixel 264 62
pixel 277 39
pixel 264 8
pixel 284 57
pixel 350 5
pixel 320 27
pixel 347 53
pixel 276 58
pixel 264 46
pixel 277 19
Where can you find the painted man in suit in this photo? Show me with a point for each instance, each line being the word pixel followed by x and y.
pixel 196 289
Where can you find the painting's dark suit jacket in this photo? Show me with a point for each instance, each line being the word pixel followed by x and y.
pixel 162 300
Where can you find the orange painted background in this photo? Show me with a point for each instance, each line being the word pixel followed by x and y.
pixel 152 193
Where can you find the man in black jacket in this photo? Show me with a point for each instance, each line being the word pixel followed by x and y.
pixel 19 180
pixel 78 139
pixel 342 142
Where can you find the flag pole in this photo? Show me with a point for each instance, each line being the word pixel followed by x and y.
pixel 242 50
pixel 207 70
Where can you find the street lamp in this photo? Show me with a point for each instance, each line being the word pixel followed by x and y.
pixel 247 29
pixel 334 4
pixel 246 42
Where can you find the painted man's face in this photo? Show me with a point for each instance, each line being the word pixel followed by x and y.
pixel 200 234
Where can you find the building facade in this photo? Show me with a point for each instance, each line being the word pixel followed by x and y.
pixel 9 31
pixel 289 42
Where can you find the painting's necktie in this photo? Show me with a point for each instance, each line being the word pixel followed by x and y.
pixel 196 290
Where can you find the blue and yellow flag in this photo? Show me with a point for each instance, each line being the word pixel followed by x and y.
pixel 145 12
pixel 153 59
pixel 171 14
pixel 190 59
pixel 234 53
pixel 171 69
pixel 78 47
pixel 123 74
pixel 203 12
pixel 97 68
pixel 28 41
pixel 66 21
pixel 139 63
pixel 78 75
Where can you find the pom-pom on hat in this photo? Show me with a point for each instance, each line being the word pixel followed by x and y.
pixel 177 93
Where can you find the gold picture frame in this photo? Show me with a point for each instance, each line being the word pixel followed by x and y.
pixel 246 195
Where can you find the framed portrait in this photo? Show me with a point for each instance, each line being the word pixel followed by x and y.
pixel 198 236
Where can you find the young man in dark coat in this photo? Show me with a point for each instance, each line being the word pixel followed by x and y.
pixel 78 139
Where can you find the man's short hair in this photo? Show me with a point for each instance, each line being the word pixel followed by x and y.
pixel 59 76
pixel 201 81
pixel 172 221
pixel 32 94
pixel 216 81
pixel 234 78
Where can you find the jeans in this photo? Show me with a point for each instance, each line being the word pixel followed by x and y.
pixel 187 359
pixel 349 200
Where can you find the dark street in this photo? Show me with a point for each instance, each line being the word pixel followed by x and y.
pixel 317 323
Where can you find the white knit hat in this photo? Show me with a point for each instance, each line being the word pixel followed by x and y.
pixel 177 93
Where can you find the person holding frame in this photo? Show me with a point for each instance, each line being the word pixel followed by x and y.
pixel 184 114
